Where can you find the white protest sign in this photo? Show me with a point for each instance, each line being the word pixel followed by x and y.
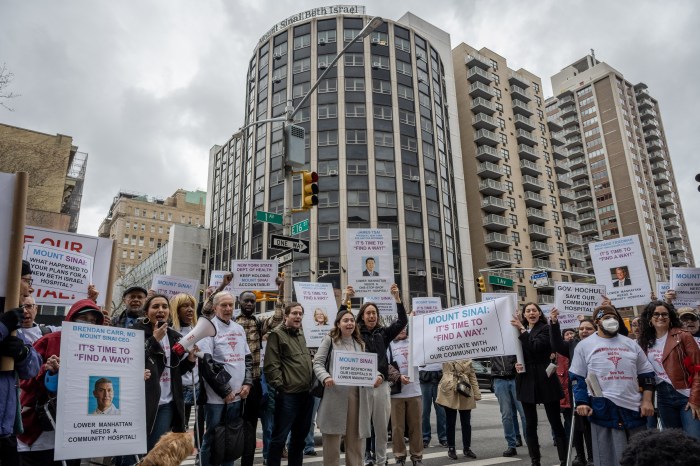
pixel 250 275
pixel 568 321
pixel 7 195
pixel 318 301
pixel 493 296
pixel 60 277
pixel 662 288
pixel 217 278
pixel 471 331
pixel 370 261
pixel 686 283
pixel 386 305
pixel 94 357
pixel 171 286
pixel 355 369
pixel 619 266
pixel 99 249
pixel 577 298
pixel 426 305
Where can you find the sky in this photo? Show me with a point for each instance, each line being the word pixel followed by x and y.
pixel 147 88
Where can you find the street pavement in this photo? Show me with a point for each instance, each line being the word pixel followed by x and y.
pixel 487 442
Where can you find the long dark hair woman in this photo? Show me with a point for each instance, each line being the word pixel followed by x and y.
pixel 675 357
pixel 535 386
pixel 165 405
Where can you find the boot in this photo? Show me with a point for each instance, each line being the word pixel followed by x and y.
pixel 451 453
pixel 562 450
pixel 533 449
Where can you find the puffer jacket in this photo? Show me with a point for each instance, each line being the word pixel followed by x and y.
pixel 681 361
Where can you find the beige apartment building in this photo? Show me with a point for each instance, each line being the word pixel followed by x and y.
pixel 140 225
pixel 521 212
pixel 620 164
pixel 56 174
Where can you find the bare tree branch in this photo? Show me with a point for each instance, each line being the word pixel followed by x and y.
pixel 6 77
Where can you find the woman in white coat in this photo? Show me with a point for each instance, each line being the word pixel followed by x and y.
pixel 344 410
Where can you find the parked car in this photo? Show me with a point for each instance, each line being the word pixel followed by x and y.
pixel 482 367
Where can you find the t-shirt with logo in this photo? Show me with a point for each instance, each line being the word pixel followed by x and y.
pixel 655 357
pixel 166 392
pixel 616 363
pixel 229 347
pixel 399 353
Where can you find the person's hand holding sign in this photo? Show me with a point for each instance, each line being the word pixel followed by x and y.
pixel 395 292
pixel 329 382
pixel 554 315
pixel 379 381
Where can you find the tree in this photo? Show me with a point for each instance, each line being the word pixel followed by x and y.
pixel 6 77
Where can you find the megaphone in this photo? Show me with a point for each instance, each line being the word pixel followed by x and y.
pixel 204 328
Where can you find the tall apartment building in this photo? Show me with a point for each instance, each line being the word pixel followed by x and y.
pixel 140 225
pixel 56 175
pixel 380 132
pixel 620 164
pixel 521 215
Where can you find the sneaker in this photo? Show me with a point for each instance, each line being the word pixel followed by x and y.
pixel 443 443
pixel 518 441
pixel 468 453
pixel 510 452
pixel 451 453
pixel 426 443
pixel 310 453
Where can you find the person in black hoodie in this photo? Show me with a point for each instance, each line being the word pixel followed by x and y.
pixel 377 339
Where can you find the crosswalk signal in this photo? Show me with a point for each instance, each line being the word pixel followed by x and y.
pixel 482 283
pixel 309 189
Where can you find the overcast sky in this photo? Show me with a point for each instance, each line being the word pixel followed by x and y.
pixel 146 88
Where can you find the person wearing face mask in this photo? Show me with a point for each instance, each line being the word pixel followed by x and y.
pixel 535 385
pixel 377 339
pixel 617 368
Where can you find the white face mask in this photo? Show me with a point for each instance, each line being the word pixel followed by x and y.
pixel 611 325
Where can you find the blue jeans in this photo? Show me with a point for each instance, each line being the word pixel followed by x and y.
pixel 213 414
pixel 292 413
pixel 163 423
pixel 429 392
pixel 672 410
pixel 310 444
pixel 510 407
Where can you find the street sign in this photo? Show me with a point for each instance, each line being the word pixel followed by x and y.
pixel 539 279
pixel 300 227
pixel 500 281
pixel 269 217
pixel 284 257
pixel 287 242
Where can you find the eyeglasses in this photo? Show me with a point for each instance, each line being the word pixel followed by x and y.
pixel 28 306
pixel 660 315
pixel 28 281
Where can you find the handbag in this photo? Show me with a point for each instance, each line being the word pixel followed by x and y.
pixel 317 387
pixel 463 387
pixel 394 387
pixel 228 439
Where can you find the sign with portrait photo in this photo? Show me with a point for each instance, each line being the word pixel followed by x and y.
pixel 370 261
pixel 320 309
pixel 619 265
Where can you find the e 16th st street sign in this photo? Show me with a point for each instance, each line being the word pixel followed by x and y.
pixel 300 227
pixel 500 281
pixel 287 242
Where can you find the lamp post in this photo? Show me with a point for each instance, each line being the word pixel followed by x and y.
pixel 288 119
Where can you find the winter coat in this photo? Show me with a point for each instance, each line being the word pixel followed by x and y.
pixel 680 354
pixel 448 396
pixel 563 374
pixel 533 385
pixel 333 411
pixel 287 362
pixel 155 362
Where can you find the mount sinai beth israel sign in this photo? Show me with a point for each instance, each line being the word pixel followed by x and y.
pixel 320 11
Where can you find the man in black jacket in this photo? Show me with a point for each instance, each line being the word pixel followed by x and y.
pixel 503 374
pixel 377 339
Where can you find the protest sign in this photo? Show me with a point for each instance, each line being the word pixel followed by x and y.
pixel 425 305
pixel 318 301
pixel 577 298
pixel 99 249
pixel 97 361
pixel 60 277
pixel 493 296
pixel 370 261
pixel 7 195
pixel 355 369
pixel 662 288
pixel 217 278
pixel 686 283
pixel 470 331
pixel 249 275
pixel 619 266
pixel 386 305
pixel 171 286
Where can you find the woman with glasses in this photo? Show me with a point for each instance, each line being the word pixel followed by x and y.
pixel 675 357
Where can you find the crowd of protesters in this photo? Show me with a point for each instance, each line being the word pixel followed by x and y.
pixel 606 383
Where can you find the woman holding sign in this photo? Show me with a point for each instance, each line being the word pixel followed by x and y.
pixel 344 410
pixel 537 384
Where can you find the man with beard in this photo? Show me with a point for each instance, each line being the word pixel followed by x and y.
pixel 254 329
pixel 133 299
pixel 616 368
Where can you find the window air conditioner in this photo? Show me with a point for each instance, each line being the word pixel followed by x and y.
pixel 376 65
pixel 332 172
pixel 415 179
pixel 421 273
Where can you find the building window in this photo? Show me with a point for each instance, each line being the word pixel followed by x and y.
pixel 405 92
pixel 380 86
pixel 356 136
pixel 354 59
pixel 515 237
pixel 355 110
pixel 327 111
pixel 354 84
pixel 350 34
pixel 302 41
pixel 383 139
pixel 518 254
pixel 412 203
pixel 513 219
pixel 407 118
pixel 325 37
pixel 328 232
pixel 327 199
pixel 386 199
pixel 404 68
pixel 357 167
pixel 414 234
pixel 384 168
pixel 328 138
pixel 402 44
pixel 382 112
pixel 379 62
pixel 301 65
pixel 328 85
pixel 324 61
pixel 379 38
pixel 409 143
pixel 358 198
pixel 300 90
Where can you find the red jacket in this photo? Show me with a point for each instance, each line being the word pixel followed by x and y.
pixel 563 374
pixel 33 390
pixel 681 361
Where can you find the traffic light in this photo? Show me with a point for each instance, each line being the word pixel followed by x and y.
pixel 309 189
pixel 697 178
pixel 482 283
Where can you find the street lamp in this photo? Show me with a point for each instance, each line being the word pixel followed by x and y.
pixel 288 119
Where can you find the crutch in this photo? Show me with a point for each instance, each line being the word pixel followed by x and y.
pixel 571 433
pixel 196 413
